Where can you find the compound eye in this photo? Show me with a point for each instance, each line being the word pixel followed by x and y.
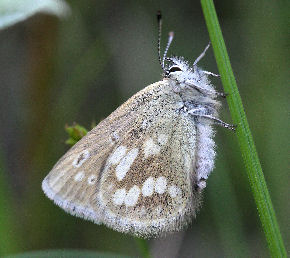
pixel 174 69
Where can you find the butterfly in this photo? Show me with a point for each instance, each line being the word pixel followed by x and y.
pixel 142 170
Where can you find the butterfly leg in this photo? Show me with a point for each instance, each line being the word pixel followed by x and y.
pixel 212 74
pixel 220 122
pixel 198 113
pixel 206 72
pixel 199 58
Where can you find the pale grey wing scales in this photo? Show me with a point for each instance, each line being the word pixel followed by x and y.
pixel 133 172
pixel 73 187
pixel 150 189
pixel 73 182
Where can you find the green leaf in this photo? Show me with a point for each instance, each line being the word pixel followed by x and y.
pixel 13 11
pixel 244 135
pixel 75 132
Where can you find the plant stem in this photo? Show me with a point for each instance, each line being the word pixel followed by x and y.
pixel 251 160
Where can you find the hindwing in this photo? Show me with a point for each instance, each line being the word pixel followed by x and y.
pixel 135 171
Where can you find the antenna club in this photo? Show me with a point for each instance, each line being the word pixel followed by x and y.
pixel 171 34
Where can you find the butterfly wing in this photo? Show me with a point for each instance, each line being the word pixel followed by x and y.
pixel 72 183
pixel 134 172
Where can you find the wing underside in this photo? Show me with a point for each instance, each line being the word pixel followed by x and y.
pixel 134 172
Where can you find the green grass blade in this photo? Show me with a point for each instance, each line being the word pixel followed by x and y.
pixel 251 160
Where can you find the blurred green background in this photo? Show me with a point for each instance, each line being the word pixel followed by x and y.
pixel 56 71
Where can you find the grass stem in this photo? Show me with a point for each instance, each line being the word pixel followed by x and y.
pixel 245 139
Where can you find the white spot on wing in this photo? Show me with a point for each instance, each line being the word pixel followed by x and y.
pixel 117 155
pixel 132 196
pixel 79 176
pixel 150 148
pixel 162 139
pixel 174 191
pixel 118 197
pixel 92 179
pixel 160 185
pixel 148 187
pixel 125 163
pixel 81 158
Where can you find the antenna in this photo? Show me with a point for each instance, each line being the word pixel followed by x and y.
pixel 170 38
pixel 159 19
pixel 201 55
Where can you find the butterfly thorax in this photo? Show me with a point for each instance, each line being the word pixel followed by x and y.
pixel 193 86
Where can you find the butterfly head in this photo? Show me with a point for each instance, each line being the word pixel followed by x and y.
pixel 175 68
